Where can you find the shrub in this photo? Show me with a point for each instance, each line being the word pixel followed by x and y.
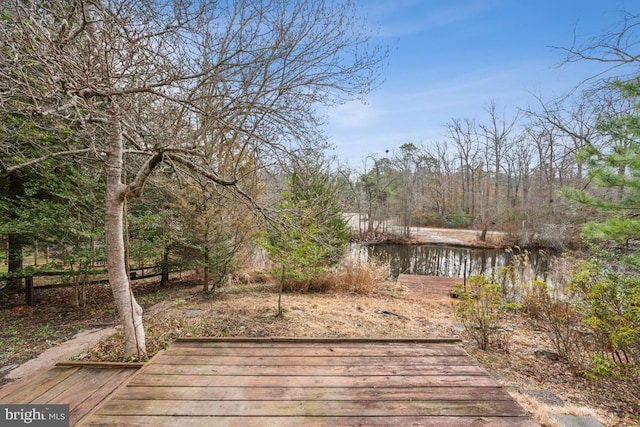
pixel 609 303
pixel 479 310
pixel 559 319
pixel 456 220
pixel 310 236
pixel 360 277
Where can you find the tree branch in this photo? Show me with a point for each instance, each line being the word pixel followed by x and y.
pixel 201 171
pixel 137 186
pixel 11 169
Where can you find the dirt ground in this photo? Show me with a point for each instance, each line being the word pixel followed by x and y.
pixel 244 308
pixel 457 237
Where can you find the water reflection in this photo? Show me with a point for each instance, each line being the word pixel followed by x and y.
pixel 436 260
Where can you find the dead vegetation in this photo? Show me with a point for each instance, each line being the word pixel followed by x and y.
pixel 354 277
pixel 248 306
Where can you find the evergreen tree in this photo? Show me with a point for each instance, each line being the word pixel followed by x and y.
pixel 608 286
pixel 614 170
pixel 53 201
pixel 312 233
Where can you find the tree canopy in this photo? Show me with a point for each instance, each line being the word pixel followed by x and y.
pixel 191 85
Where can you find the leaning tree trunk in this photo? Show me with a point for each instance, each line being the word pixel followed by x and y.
pixel 128 309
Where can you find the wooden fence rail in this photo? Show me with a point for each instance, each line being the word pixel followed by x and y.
pixel 98 276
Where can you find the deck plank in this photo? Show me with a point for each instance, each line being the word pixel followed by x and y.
pixel 81 386
pixel 324 408
pixel 310 361
pixel 244 421
pixel 430 286
pixel 75 387
pixel 321 351
pixel 313 370
pixel 287 382
pixel 288 392
pixel 80 410
pixel 27 390
pixel 312 381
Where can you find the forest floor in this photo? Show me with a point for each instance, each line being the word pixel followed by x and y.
pixel 249 307
pixel 246 308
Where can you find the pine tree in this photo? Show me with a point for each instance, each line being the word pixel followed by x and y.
pixel 312 233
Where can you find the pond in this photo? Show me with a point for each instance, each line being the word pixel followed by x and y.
pixel 438 260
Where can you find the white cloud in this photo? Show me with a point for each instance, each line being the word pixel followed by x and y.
pixel 418 111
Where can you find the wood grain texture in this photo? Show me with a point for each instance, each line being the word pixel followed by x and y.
pixel 288 382
pixel 82 386
pixel 431 286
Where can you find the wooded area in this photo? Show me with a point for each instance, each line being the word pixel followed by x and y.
pixel 213 110
pixel 207 95
pixel 500 172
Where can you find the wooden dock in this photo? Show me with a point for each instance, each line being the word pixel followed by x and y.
pixel 311 382
pixel 430 286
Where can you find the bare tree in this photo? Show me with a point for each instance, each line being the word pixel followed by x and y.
pixel 575 121
pixel 521 158
pixel 442 169
pixel 616 50
pixel 497 140
pixel 408 159
pixel 464 134
pixel 154 82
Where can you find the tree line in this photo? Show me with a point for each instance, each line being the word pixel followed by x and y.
pixel 500 171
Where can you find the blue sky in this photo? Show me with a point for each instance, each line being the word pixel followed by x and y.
pixel 450 59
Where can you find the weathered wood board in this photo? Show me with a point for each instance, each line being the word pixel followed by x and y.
pixel 307 382
pixel 82 386
pixel 430 286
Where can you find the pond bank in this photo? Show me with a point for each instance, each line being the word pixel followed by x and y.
pixel 446 236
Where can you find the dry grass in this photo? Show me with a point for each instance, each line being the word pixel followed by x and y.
pixel 248 306
pixel 542 411
pixel 251 310
pixel 355 277
pixel 359 277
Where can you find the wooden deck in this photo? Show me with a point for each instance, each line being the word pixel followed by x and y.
pixel 311 382
pixel 431 286
pixel 83 386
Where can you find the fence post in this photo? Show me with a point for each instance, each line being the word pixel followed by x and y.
pixel 164 280
pixel 29 291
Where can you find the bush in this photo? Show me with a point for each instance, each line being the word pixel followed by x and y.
pixel 609 304
pixel 596 325
pixel 310 236
pixel 559 319
pixel 479 310
pixel 456 220
pixel 360 277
